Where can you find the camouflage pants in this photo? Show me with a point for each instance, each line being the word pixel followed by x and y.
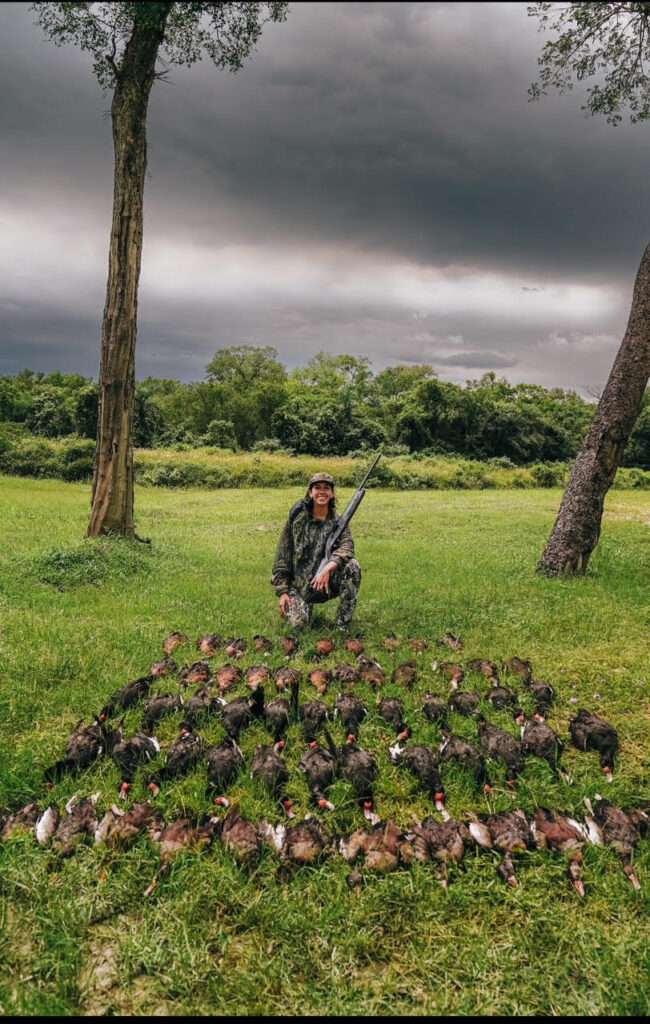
pixel 344 583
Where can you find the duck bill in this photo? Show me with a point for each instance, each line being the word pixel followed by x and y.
pixel 222 801
pixel 369 814
pixel 287 806
pixel 154 788
pixel 124 790
pixel 609 774
pixel 326 805
pixel 579 886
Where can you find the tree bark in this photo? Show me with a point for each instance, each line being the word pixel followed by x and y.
pixel 112 493
pixel 577 527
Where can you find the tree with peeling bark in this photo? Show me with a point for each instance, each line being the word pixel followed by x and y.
pixel 126 41
pixel 609 42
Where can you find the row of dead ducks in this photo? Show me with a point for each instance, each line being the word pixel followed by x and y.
pixel 382 848
pixel 87 743
pixel 211 643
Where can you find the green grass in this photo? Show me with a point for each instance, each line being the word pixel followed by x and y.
pixel 80 938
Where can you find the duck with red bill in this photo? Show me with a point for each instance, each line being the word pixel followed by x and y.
pixel 186 752
pixel 423 764
pixel 130 754
pixel 319 766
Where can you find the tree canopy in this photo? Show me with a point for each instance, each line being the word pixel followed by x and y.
pixel 606 41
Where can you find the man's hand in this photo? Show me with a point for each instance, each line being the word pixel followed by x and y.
pixel 285 604
pixel 322 580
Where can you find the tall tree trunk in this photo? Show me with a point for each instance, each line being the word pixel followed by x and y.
pixel 112 496
pixel 577 527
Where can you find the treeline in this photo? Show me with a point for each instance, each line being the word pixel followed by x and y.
pixel 335 405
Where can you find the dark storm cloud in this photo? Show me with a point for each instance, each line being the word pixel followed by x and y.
pixel 373 181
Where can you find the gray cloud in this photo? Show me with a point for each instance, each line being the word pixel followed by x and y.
pixel 374 181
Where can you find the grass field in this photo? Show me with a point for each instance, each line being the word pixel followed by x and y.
pixel 79 937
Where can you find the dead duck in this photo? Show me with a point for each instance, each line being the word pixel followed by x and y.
pixel 640 818
pixel 269 769
pixel 354 645
pixel 617 831
pixel 130 754
pixel 319 765
pixel 390 642
pixel 590 732
pixel 228 677
pixel 348 674
pixel 360 768
pixel 320 679
pixel 79 824
pixel 418 645
pixel 240 837
pixel 279 713
pixel 209 644
pixel 351 711
pixel 501 697
pixel 371 671
pixel 324 647
pixel 239 713
pixel 199 672
pixel 166 667
pixel 451 670
pixel 405 674
pixel 542 693
pixel 483 667
pixel 23 820
pixel 423 763
pixel 382 849
pixel 301 843
pixel 391 710
pixel 179 836
pixel 443 842
pixel 313 714
pixel 262 644
pixel 288 645
pixel 257 675
pixel 46 824
pixel 158 708
pixel 174 640
pixel 464 702
pixel 284 677
pixel 519 667
pixel 509 833
pixel 119 829
pixel 184 755
pixel 236 648
pixel 85 745
pixel 539 740
pixel 450 640
pixel 456 750
pixel 554 831
pixel 224 760
pixel 502 746
pixel 200 705
pixel 127 697
pixel 435 709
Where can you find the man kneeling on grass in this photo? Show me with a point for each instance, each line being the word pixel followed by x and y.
pixel 296 579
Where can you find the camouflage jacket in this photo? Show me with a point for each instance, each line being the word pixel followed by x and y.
pixel 302 547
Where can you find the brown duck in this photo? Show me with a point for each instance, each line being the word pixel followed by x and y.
pixel 320 679
pixel 519 667
pixel 127 697
pixel 79 825
pixel 313 714
pixel 119 829
pixel 228 677
pixel 285 677
pixel 554 831
pixel 590 732
pixel 182 757
pixel 435 708
pixel 241 712
pixel 443 842
pixel 85 745
pixel 130 754
pixel 288 645
pixel 269 769
pixel 354 645
pixel 483 667
pixel 209 644
pixel 199 672
pixel 502 746
pixel 158 708
pixel 224 760
pixel 166 667
pixel 423 764
pixel 348 674
pixel 455 750
pixel 391 710
pixel 262 644
pixel 240 837
pixel 371 671
pixel 257 675
pixel 618 831
pixel 236 648
pixel 174 640
pixel 450 640
pixel 319 765
pixel 351 711
pixel 509 833
pixel 179 836
pixel 405 674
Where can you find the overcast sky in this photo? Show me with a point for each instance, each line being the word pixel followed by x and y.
pixel 373 181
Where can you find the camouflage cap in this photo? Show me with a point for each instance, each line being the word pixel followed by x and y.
pixel 322 478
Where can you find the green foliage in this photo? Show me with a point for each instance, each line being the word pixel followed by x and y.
pixel 603 40
pixel 226 33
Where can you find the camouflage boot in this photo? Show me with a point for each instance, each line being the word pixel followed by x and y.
pixel 349 583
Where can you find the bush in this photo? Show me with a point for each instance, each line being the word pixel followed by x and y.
pixel 548 475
